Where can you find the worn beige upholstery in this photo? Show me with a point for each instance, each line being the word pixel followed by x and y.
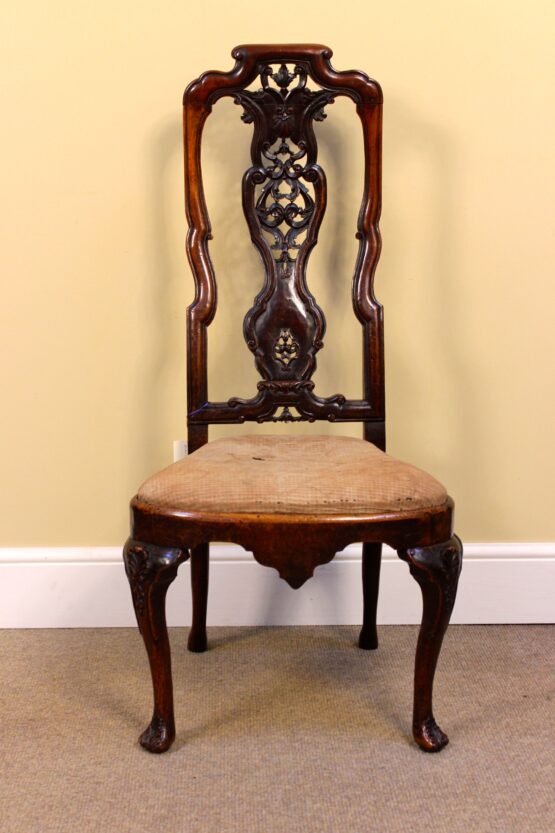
pixel 313 475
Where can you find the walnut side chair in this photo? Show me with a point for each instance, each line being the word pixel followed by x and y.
pixel 292 501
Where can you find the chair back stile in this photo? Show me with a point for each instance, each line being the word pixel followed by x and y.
pixel 284 201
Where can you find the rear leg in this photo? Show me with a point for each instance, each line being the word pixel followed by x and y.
pixel 197 641
pixel 371 563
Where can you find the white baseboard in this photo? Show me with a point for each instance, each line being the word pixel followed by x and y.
pixel 80 587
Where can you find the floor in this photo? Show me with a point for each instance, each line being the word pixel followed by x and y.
pixel 279 730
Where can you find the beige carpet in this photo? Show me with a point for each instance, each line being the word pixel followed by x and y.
pixel 280 730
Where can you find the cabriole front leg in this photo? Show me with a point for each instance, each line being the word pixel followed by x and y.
pixel 151 570
pixel 436 569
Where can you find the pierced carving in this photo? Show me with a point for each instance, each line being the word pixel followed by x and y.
pixel 284 195
pixel 286 415
pixel 441 565
pixel 286 349
pixel 283 107
pixel 284 200
pixel 285 205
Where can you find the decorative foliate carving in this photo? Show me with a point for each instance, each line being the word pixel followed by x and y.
pixel 286 348
pixel 286 415
pixel 285 205
pixel 284 194
pixel 285 109
pixel 148 567
pixel 137 568
pixel 440 564
pixel 284 200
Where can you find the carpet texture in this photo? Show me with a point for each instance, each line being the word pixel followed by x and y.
pixel 279 730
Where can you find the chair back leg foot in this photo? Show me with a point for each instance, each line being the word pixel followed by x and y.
pixel 368 639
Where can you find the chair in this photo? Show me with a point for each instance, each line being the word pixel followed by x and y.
pixel 294 502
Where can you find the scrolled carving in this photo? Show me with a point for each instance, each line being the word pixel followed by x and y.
pixel 284 196
pixel 286 415
pixel 147 566
pixel 276 393
pixel 283 92
pixel 285 109
pixel 441 565
pixel 286 222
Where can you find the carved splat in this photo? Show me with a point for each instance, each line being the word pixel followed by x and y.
pixel 283 93
pixel 284 195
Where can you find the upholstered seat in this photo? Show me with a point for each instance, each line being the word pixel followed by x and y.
pixel 312 475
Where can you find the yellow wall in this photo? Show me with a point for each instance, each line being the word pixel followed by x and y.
pixel 95 282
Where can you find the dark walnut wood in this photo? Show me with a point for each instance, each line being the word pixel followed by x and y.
pixel 282 91
pixel 150 570
pixel 436 569
pixel 371 566
pixel 284 328
pixel 284 199
pixel 197 641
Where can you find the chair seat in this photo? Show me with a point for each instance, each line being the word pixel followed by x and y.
pixel 302 475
